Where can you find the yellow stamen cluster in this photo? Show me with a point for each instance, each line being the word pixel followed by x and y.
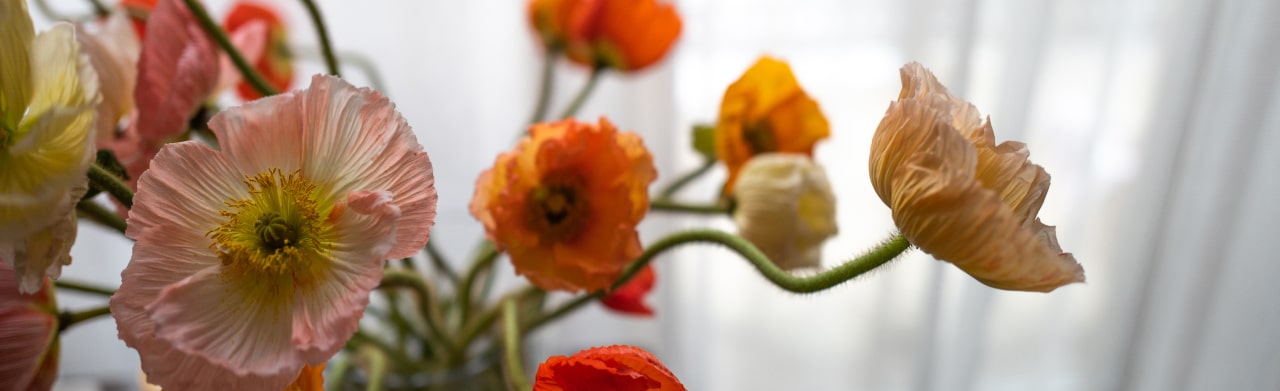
pixel 558 209
pixel 277 231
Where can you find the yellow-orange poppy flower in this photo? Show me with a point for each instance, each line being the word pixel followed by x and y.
pixel 960 197
pixel 565 203
pixel 766 111
pixel 621 34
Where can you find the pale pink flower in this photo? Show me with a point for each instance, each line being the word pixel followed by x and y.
pixel 28 335
pixel 257 259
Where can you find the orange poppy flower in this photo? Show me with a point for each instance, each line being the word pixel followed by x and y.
pixel 629 298
pixel 565 203
pixel 958 196
pixel 621 34
pixel 766 111
pixel 311 378
pixel 617 367
pixel 276 62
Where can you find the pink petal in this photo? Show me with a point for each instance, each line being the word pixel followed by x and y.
pixel 251 40
pixel 26 335
pixel 344 139
pixel 173 369
pixel 177 203
pixel 327 314
pixel 178 68
pixel 239 324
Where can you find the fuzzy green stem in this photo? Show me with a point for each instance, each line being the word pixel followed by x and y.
pixel 68 319
pixel 426 301
pixel 687 178
pixel 218 35
pixel 326 48
pixel 111 184
pixel 583 93
pixel 546 82
pixel 338 373
pixel 441 263
pixel 483 260
pixel 101 215
pixel 511 342
pixel 486 319
pixel 881 254
pixel 377 361
pixel 83 288
pixel 667 205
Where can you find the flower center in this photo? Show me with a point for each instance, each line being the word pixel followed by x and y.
pixel 759 137
pixel 277 231
pixel 557 208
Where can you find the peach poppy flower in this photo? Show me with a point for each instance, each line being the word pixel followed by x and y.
pixel 270 49
pixel 48 92
pixel 113 49
pixel 629 298
pixel 626 35
pixel 565 203
pixel 785 207
pixel 28 335
pixel 766 111
pixel 958 196
pixel 617 367
pixel 258 259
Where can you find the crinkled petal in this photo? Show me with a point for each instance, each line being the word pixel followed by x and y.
pixel 114 54
pixel 16 33
pixel 26 339
pixel 365 143
pixel 910 126
pixel 327 313
pixel 178 68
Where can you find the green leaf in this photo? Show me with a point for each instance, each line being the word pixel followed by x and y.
pixel 704 140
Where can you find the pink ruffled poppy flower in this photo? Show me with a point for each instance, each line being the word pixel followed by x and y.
pixel 258 259
pixel 28 335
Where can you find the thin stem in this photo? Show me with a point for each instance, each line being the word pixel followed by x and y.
pixel 511 341
pixel 101 215
pixel 426 300
pixel 488 317
pixel 211 28
pixel 667 205
pixel 583 93
pixel 377 361
pixel 323 33
pixel 361 339
pixel 111 184
pixel 338 373
pixel 545 86
pixel 441 263
pixel 881 254
pixel 671 189
pixel 68 319
pixel 484 259
pixel 99 9
pixel 83 287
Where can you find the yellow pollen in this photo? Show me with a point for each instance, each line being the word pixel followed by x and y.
pixel 276 232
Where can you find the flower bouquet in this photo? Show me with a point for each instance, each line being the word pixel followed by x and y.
pixel 262 229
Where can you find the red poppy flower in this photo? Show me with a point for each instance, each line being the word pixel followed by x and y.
pixel 618 367
pixel 629 298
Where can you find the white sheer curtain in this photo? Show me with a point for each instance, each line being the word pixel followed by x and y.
pixel 1157 120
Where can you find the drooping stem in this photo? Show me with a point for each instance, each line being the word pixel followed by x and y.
pixel 68 319
pixel 376 359
pixel 484 259
pixel 679 183
pixel 511 342
pixel 101 215
pixel 220 37
pixel 545 86
pixel 583 93
pixel 111 184
pixel 99 9
pixel 83 288
pixel 362 340
pixel 667 205
pixel 426 301
pixel 326 48
pixel 881 254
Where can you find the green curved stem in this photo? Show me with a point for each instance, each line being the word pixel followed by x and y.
pixel 671 189
pixel 218 35
pixel 583 93
pixel 426 300
pixel 667 205
pixel 881 254
pixel 487 318
pixel 99 9
pixel 323 33
pixel 338 373
pixel 511 342
pixel 101 215
pixel 68 319
pixel 545 86
pixel 112 184
pixel 377 361
pixel 484 259
pixel 83 288
pixel 441 263
pixel 361 340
